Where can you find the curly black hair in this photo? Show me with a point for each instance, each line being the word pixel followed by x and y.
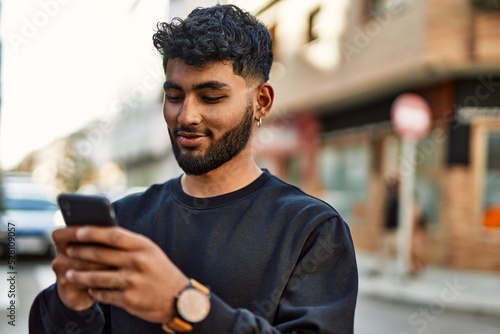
pixel 218 33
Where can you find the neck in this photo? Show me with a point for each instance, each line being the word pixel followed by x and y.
pixel 231 176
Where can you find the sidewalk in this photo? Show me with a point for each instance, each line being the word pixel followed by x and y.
pixel 435 289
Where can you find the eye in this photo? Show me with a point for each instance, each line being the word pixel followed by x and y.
pixel 174 98
pixel 213 99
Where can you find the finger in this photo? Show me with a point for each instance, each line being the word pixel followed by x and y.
pixel 107 296
pixel 62 263
pixel 63 236
pixel 104 279
pixel 116 237
pixel 101 255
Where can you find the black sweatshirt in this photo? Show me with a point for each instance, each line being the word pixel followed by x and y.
pixel 276 260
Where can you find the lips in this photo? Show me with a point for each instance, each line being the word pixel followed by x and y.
pixel 189 139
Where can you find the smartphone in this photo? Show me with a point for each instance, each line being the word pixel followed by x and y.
pixel 79 210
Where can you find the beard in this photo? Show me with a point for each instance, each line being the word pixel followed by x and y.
pixel 219 151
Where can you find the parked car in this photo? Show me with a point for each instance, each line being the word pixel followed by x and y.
pixel 30 214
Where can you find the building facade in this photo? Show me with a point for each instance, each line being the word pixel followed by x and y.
pixel 340 66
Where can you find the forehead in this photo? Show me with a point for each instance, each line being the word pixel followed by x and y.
pixel 184 75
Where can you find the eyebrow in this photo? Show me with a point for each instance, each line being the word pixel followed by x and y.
pixel 215 85
pixel 170 85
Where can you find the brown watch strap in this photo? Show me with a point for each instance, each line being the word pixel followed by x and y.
pixel 197 285
pixel 177 325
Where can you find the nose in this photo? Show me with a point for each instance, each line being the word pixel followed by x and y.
pixel 189 112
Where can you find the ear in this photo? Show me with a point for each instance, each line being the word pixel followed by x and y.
pixel 264 98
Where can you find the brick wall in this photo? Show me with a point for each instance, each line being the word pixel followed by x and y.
pixel 469 245
pixel 487 35
pixel 448 33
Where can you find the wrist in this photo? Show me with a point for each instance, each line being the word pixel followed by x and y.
pixel 191 306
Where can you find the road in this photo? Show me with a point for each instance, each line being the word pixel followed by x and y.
pixel 372 317
pixel 18 288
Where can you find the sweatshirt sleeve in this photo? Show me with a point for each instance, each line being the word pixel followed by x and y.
pixel 49 315
pixel 320 295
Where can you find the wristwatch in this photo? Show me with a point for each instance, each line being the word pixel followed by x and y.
pixel 192 305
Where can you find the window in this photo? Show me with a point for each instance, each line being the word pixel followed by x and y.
pixel 292 170
pixel 486 161
pixel 313 33
pixel 427 164
pixel 487 5
pixel 491 181
pixel 344 171
pixel 377 6
pixel 272 31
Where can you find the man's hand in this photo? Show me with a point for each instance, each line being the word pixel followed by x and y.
pixel 121 268
pixel 74 296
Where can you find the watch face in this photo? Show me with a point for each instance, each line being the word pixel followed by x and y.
pixel 193 305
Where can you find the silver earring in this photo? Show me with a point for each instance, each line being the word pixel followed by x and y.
pixel 259 123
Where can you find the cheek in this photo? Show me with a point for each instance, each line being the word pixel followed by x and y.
pixel 233 114
pixel 168 115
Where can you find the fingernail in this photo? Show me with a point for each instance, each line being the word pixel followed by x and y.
pixel 81 233
pixel 70 251
pixel 70 274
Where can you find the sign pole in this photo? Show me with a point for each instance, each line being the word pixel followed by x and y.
pixel 411 119
pixel 406 208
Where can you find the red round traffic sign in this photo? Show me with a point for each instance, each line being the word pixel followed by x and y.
pixel 411 116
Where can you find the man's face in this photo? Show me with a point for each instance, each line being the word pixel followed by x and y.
pixel 209 113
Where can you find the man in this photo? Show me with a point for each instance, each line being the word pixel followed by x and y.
pixel 226 247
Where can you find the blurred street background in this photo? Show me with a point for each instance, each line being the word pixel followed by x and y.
pixel 81 96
